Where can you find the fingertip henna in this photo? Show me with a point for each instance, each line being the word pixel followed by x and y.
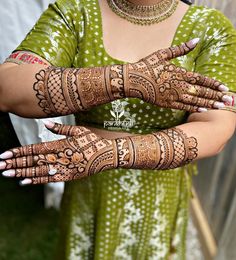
pixel 40 180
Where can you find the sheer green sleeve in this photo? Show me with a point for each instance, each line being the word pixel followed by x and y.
pixel 55 37
pixel 217 58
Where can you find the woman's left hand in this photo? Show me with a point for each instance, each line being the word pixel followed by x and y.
pixel 80 154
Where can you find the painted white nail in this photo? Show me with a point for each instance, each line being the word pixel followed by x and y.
pixel 48 123
pixel 202 109
pixel 25 182
pixel 2 165
pixel 219 105
pixel 9 173
pixel 223 88
pixel 227 99
pixel 6 155
pixel 195 41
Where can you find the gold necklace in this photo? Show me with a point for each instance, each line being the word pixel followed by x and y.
pixel 143 14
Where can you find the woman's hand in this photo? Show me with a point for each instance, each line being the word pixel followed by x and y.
pixel 52 91
pixel 156 80
pixel 83 153
pixel 80 154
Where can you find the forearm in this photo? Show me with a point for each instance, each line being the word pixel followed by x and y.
pixel 201 137
pixel 16 89
pixel 57 91
pixel 165 149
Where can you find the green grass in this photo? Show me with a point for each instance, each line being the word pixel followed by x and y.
pixel 27 230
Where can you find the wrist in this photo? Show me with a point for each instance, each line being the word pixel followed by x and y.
pixel 125 81
pixel 141 83
pixel 166 149
pixel 116 79
pixel 137 152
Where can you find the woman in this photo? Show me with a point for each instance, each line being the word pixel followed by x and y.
pixel 122 213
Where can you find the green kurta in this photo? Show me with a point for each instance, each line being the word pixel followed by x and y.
pixel 128 214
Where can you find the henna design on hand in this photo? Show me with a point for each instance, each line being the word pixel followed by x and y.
pixel 62 91
pixel 155 80
pixel 83 154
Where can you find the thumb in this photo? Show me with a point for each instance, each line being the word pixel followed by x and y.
pixel 59 129
pixel 67 130
pixel 180 50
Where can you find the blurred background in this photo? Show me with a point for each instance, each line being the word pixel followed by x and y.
pixel 29 231
pixel 215 185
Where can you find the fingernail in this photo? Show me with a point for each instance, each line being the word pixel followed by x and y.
pixel 6 155
pixel 48 123
pixel 223 88
pixel 195 41
pixel 201 109
pixel 2 165
pixel 219 105
pixel 227 99
pixel 9 173
pixel 25 182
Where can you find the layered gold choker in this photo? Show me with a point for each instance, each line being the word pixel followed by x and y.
pixel 143 14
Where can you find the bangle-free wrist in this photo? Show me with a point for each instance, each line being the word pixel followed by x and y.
pixel 63 91
pixel 166 149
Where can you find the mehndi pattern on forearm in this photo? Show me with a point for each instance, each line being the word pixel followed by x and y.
pixel 63 91
pixel 166 149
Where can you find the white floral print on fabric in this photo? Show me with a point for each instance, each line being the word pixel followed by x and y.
pixel 159 249
pixel 80 241
pixel 130 185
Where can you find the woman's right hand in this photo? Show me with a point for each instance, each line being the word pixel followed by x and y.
pixel 156 80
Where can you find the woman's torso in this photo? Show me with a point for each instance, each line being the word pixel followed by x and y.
pixel 125 41
pixel 129 42
pixel 109 39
